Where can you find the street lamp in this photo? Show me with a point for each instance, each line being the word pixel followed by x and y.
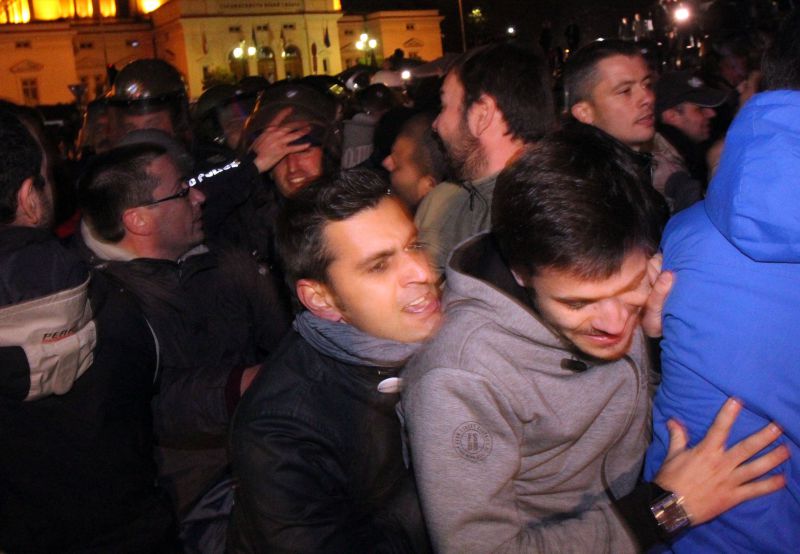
pixel 366 43
pixel 511 31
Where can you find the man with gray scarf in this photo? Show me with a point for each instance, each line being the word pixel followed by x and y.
pixel 316 441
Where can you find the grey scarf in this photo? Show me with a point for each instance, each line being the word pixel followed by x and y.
pixel 347 344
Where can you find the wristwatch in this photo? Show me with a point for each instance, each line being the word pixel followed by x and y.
pixel 670 515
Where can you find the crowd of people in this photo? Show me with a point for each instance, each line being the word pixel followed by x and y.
pixel 282 320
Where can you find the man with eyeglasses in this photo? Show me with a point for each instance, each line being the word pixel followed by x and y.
pixel 215 313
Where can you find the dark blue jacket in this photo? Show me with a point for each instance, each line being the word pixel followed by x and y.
pixel 731 320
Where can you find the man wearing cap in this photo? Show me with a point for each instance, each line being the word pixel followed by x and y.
pixel 684 107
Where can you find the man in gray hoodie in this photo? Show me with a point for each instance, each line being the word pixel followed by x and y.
pixel 529 413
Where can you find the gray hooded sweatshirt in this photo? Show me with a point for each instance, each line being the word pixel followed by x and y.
pixel 517 441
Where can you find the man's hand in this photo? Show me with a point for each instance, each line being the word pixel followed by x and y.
pixel 713 480
pixel 661 284
pixel 274 142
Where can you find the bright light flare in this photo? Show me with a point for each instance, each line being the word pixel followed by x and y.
pixel 405 75
pixel 682 14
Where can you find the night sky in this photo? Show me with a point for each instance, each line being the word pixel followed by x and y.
pixel 594 17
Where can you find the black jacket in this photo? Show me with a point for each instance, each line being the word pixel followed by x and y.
pixel 215 314
pixel 76 469
pixel 317 451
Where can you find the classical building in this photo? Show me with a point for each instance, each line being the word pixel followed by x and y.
pixel 48 45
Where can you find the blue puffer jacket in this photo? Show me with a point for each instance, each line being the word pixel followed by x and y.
pixel 731 320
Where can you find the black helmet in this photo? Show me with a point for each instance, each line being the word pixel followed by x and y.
pixel 144 87
pixel 220 112
pixel 377 98
pixel 147 82
pixel 308 105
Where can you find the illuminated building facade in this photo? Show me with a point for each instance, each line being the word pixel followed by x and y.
pixel 416 32
pixel 47 45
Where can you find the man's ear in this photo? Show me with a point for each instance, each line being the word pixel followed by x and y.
pixel 136 222
pixel 481 114
pixel 30 209
pixel 316 297
pixel 425 185
pixel 670 117
pixel 583 112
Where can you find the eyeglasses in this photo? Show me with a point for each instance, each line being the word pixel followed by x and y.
pixel 183 193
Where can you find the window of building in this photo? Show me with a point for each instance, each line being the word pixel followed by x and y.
pixel 266 64
pixel 30 91
pixel 288 26
pixel 264 28
pixel 238 66
pixel 292 62
pixel 349 32
pixel 409 26
pixel 22 44
pixel 86 45
pixel 15 11
pixel 235 29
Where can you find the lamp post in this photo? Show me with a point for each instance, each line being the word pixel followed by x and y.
pixel 461 20
pixel 365 43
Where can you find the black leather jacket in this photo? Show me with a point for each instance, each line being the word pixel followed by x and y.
pixel 318 455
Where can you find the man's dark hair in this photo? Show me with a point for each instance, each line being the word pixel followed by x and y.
pixel 518 80
pixel 428 152
pixel 301 225
pixel 20 159
pixel 580 71
pixel 579 202
pixel 780 66
pixel 115 181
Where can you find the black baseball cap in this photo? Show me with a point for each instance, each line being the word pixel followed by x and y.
pixel 676 87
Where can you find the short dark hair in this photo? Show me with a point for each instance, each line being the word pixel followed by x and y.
pixel 580 71
pixel 115 181
pixel 428 152
pixel 781 63
pixel 518 80
pixel 20 159
pixel 301 224
pixel 579 201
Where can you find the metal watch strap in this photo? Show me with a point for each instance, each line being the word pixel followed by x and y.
pixel 670 514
